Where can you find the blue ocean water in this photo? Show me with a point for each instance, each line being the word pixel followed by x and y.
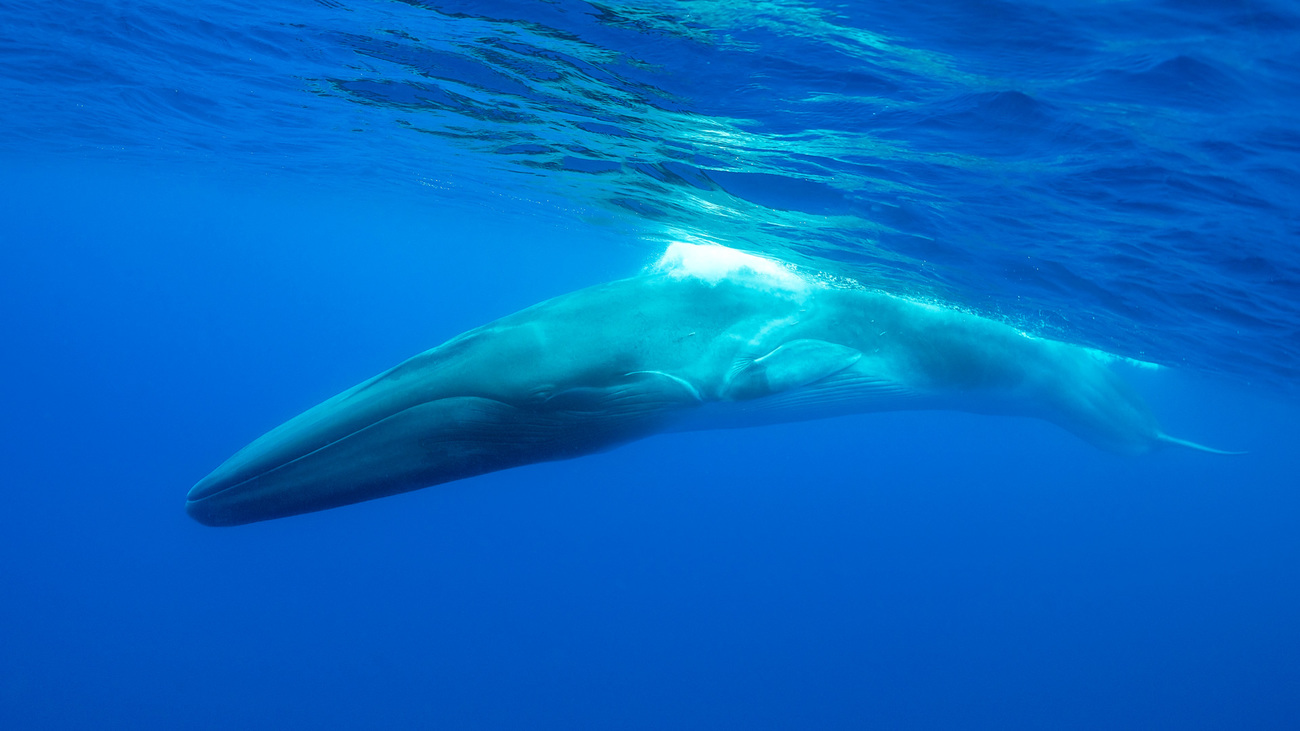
pixel 218 215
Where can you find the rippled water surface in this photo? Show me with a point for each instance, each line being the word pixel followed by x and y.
pixel 1121 174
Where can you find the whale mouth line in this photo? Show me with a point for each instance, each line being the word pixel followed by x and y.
pixel 192 500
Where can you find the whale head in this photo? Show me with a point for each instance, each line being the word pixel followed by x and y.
pixel 347 451
pixel 488 400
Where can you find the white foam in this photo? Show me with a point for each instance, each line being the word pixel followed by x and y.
pixel 714 263
pixel 1109 358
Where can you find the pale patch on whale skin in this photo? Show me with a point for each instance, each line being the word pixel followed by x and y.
pixel 713 263
pixel 708 337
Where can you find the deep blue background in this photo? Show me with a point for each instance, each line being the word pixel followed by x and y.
pixel 923 569
pixel 197 244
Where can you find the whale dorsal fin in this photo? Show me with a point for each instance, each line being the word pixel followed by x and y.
pixel 793 364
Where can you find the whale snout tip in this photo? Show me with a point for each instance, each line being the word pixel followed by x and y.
pixel 203 502
pixel 202 512
pixel 211 485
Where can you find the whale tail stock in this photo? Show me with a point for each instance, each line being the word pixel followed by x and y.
pixel 1165 439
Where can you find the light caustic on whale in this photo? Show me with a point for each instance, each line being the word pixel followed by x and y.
pixel 709 337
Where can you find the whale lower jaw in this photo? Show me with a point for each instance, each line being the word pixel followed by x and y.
pixel 429 443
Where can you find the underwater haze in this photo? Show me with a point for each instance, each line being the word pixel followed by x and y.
pixel 218 214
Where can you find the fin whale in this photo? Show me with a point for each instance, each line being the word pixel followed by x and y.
pixel 707 338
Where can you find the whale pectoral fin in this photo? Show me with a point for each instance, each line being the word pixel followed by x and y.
pixel 794 364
